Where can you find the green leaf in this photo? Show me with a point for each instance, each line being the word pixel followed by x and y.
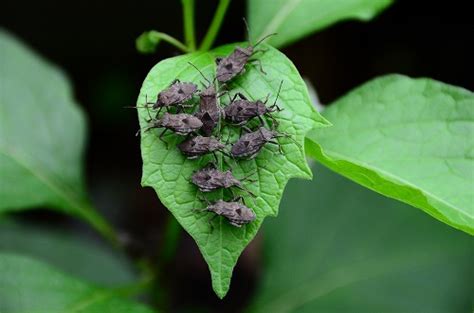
pixel 409 139
pixel 294 19
pixel 346 249
pixel 168 172
pixel 27 285
pixel 42 135
pixel 68 251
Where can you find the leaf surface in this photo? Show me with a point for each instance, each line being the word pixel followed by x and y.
pixel 30 286
pixel 168 172
pixel 294 19
pixel 68 251
pixel 338 247
pixel 408 139
pixel 42 136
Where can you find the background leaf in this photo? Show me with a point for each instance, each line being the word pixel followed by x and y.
pixel 168 172
pixel 409 139
pixel 42 135
pixel 27 285
pixel 68 251
pixel 294 19
pixel 343 248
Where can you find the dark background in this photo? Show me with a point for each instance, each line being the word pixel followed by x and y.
pixel 94 42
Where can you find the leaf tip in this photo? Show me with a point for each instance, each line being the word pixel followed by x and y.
pixel 220 287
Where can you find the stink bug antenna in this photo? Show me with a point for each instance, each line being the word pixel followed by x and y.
pixel 204 199
pixel 286 135
pixel 248 31
pixel 205 78
pixel 276 99
pixel 247 191
pixel 265 37
pixel 147 110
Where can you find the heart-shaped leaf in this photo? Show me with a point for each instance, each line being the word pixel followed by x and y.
pixel 409 139
pixel 168 172
pixel 42 136
pixel 27 285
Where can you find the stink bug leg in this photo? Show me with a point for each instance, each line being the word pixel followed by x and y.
pixel 259 63
pixel 161 138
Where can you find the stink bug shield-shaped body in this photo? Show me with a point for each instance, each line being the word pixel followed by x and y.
pixel 175 95
pixel 181 124
pixel 234 64
pixel 210 178
pixel 239 112
pixel 198 146
pixel 210 113
pixel 236 212
pixel 250 144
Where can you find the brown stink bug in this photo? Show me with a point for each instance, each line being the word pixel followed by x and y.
pixel 240 111
pixel 210 178
pixel 210 112
pixel 250 144
pixel 198 146
pixel 174 96
pixel 236 212
pixel 234 64
pixel 181 124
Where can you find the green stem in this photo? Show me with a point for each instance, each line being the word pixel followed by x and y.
pixel 171 40
pixel 100 224
pixel 188 16
pixel 215 26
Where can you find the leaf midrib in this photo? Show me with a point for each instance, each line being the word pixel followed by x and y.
pixel 279 17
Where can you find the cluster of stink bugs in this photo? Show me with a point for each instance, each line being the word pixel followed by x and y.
pixel 202 129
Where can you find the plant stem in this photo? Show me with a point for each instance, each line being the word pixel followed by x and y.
pixel 188 17
pixel 171 40
pixel 100 224
pixel 215 26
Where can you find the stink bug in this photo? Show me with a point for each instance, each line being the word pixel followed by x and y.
pixel 234 64
pixel 210 113
pixel 174 96
pixel 250 144
pixel 236 212
pixel 239 112
pixel 198 146
pixel 210 178
pixel 181 124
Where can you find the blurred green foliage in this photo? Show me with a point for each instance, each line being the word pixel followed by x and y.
pixel 27 285
pixel 409 139
pixel 42 137
pixel 295 19
pixel 68 251
pixel 338 247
